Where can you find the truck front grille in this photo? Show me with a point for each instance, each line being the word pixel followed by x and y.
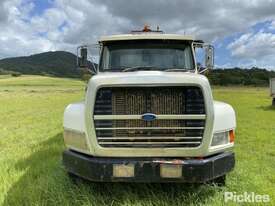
pixel 180 115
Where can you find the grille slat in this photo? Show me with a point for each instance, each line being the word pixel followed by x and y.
pixel 147 138
pixel 136 133
pixel 180 123
pixel 198 142
pixel 150 144
pixel 137 117
pixel 147 128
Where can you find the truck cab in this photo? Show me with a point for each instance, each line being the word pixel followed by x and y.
pixel 148 114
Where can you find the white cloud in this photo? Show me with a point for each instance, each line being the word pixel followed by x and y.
pixel 210 19
pixel 255 49
pixel 272 25
pixel 49 21
pixel 70 23
pixel 23 34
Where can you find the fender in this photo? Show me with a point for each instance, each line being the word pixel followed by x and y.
pixel 224 117
pixel 74 128
pixel 224 120
pixel 74 117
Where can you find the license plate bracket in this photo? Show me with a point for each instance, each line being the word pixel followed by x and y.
pixel 170 171
pixel 123 170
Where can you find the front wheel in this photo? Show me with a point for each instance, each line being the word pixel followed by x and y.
pixel 219 181
pixel 74 178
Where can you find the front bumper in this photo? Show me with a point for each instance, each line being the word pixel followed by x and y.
pixel 100 169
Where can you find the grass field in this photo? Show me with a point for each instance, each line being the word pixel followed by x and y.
pixel 31 144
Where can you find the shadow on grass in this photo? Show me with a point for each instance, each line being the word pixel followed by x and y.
pixel 37 169
pixel 44 182
pixel 266 108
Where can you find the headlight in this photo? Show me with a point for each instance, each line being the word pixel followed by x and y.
pixel 221 138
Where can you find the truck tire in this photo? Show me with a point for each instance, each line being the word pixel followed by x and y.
pixel 74 178
pixel 219 181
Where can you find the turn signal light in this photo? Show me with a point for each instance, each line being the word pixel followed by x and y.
pixel 231 136
pixel 75 139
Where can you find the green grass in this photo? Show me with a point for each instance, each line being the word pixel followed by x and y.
pixel 31 144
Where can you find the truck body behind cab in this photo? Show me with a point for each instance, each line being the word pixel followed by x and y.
pixel 272 90
pixel 149 116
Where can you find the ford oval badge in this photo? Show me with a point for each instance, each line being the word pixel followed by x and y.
pixel 149 117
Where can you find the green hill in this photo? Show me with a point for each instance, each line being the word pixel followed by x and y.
pixel 58 63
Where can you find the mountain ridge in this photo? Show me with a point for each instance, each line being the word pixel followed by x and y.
pixel 55 63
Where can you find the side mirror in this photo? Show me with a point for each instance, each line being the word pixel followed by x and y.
pixel 83 61
pixel 204 56
pixel 209 56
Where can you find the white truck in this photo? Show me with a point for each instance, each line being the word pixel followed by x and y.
pixel 272 90
pixel 149 114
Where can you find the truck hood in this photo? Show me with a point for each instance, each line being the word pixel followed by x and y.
pixel 147 78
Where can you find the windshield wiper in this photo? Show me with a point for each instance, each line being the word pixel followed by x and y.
pixel 177 70
pixel 136 68
pixel 128 69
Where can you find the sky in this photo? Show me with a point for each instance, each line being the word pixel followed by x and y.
pixel 242 31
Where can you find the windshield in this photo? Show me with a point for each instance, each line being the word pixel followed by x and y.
pixel 165 55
